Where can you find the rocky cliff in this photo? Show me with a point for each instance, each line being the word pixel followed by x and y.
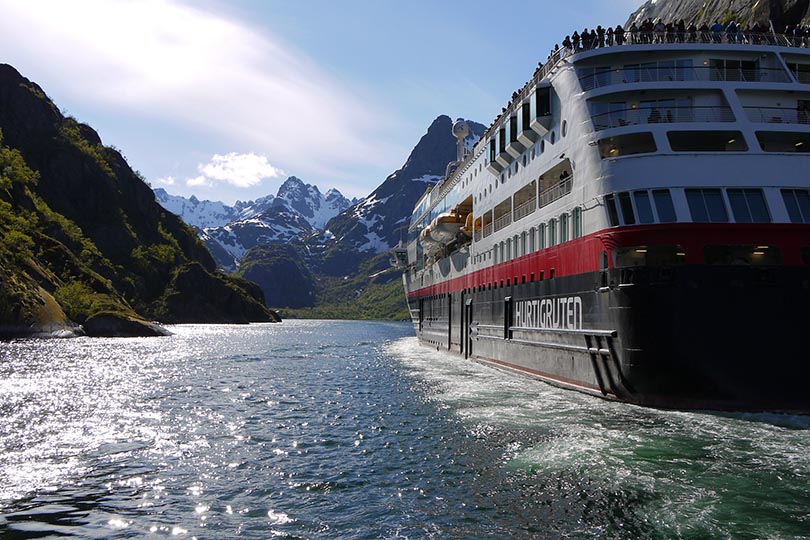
pixel 782 13
pixel 84 236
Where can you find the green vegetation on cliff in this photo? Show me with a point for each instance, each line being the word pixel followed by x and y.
pixel 82 234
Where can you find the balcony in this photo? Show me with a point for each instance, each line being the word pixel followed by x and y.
pixel 661 115
pixel 525 209
pixel 640 74
pixel 777 115
pixel 487 229
pixel 502 222
pixel 556 192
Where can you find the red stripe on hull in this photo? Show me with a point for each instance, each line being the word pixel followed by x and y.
pixel 582 254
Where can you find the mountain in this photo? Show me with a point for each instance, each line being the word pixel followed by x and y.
pixel 378 222
pixel 84 240
pixel 782 13
pixel 202 214
pixel 343 271
pixel 296 211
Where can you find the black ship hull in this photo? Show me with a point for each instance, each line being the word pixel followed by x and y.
pixel 686 337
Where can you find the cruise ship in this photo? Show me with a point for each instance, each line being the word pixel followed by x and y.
pixel 635 224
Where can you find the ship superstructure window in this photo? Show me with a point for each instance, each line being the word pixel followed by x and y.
pixel 552 232
pixel 613 214
pixel 797 202
pixel 563 228
pixel 627 208
pixel 800 71
pixel 733 70
pixel 576 218
pixel 541 240
pixel 625 145
pixel 706 205
pixel 784 141
pixel 532 240
pixel 748 206
pixel 508 249
pixel 643 206
pixel 649 256
pixel 542 97
pixel 664 206
pixel 742 255
pixel 707 141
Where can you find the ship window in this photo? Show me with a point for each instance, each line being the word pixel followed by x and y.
pixel 649 256
pixel 706 205
pixel 664 206
pixel 532 241
pixel 564 129
pixel 523 242
pixel 503 251
pixel 742 255
pixel 542 146
pixel 800 71
pixel 627 208
pixel 643 206
pixel 577 219
pixel 613 214
pixel 625 145
pixel 707 141
pixel 563 227
pixel 748 205
pixel 542 98
pixel 551 139
pixel 783 141
pixel 797 202
pixel 508 249
pixel 552 232
pixel 541 241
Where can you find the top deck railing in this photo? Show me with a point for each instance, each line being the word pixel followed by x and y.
pixel 662 38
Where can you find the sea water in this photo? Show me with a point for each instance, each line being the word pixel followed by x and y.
pixel 338 429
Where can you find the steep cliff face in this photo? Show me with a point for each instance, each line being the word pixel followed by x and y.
pixel 91 226
pixel 379 221
pixel 782 13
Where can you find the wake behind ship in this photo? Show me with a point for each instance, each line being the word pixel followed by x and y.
pixel 635 224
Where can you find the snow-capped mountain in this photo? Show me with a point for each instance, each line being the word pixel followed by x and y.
pixel 309 202
pixel 202 214
pixel 297 210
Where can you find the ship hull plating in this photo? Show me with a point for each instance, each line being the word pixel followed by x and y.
pixel 687 337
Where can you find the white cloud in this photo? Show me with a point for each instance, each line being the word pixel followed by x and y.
pixel 239 170
pixel 201 71
pixel 198 181
pixel 168 181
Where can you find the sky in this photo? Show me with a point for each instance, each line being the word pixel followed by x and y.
pixel 226 99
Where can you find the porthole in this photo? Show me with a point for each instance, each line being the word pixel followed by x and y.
pixel 551 140
pixel 564 130
pixel 542 146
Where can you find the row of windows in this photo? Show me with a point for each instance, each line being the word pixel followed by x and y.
pixel 555 231
pixel 715 254
pixel 706 205
pixel 703 141
pixel 528 156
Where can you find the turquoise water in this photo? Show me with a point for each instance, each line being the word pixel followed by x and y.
pixel 336 429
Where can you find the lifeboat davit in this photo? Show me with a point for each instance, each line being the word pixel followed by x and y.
pixel 445 227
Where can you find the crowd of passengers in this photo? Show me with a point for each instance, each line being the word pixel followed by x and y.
pixel 658 31
pixel 678 32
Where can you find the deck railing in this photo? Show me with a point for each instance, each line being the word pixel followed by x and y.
pixel 629 75
pixel 487 229
pixel 778 115
pixel 526 208
pixel 661 114
pixel 555 192
pixel 502 221
pixel 642 38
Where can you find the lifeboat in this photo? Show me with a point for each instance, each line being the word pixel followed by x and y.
pixel 429 244
pixel 446 226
